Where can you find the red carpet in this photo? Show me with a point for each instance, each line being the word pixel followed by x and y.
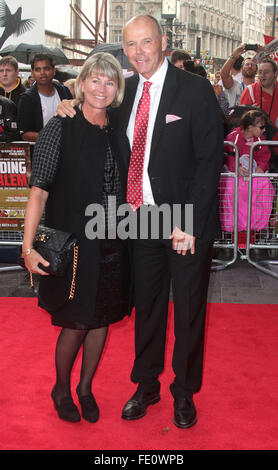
pixel 237 406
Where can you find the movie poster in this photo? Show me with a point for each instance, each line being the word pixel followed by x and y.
pixel 22 21
pixel 15 171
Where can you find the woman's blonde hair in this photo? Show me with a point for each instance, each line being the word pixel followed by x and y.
pixel 102 63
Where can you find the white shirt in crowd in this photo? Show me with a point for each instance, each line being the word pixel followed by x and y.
pixel 49 105
pixel 157 80
pixel 234 93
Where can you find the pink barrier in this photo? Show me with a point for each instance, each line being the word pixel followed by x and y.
pixel 262 199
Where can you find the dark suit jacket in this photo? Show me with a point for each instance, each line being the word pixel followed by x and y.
pixel 187 154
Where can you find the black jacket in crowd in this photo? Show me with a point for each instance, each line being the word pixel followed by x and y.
pixel 29 113
pixel 15 94
pixel 8 124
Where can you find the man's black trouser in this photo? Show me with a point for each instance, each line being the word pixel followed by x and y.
pixel 156 264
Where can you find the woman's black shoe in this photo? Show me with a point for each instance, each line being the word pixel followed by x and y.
pixel 89 408
pixel 66 409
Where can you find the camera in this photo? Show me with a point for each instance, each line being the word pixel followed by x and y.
pixel 251 47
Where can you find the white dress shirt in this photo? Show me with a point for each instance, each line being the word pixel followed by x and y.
pixel 157 80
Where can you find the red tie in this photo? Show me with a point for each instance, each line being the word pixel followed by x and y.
pixel 135 172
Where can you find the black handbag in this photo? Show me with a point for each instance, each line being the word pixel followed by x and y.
pixel 59 249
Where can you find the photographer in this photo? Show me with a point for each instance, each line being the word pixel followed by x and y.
pixel 264 95
pixel 233 87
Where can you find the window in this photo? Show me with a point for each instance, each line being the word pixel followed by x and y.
pixel 118 35
pixel 142 10
pixel 119 12
pixel 192 18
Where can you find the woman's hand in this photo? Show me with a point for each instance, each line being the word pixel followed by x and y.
pixel 32 260
pixel 33 215
pixel 181 242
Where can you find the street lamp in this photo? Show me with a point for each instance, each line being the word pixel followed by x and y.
pixel 198 47
pixel 179 34
pixel 273 18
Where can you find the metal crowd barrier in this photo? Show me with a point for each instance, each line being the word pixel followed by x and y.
pixel 258 239
pixel 12 238
pixel 262 217
pixel 266 238
pixel 228 239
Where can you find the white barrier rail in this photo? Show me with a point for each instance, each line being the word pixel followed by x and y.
pixel 228 239
pixel 260 239
pixel 262 195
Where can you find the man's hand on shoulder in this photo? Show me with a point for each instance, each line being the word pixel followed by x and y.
pixel 66 108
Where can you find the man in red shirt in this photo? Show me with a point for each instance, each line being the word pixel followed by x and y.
pixel 264 93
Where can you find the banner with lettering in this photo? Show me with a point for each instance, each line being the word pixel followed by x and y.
pixel 15 171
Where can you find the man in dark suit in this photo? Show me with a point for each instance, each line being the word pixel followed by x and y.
pixel 182 163
pixel 182 160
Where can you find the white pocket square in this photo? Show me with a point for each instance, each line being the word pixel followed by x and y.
pixel 172 117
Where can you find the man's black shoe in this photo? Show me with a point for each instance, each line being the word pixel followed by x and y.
pixel 185 414
pixel 136 407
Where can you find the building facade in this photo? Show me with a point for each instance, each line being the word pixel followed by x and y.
pixel 271 28
pixel 121 11
pixel 214 24
pixel 254 16
pixel 205 28
pixel 218 24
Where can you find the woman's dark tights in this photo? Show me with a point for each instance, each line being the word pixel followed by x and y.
pixel 68 344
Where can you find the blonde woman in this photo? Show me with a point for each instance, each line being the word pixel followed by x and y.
pixel 70 84
pixel 75 165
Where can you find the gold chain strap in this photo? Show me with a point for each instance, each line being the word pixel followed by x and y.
pixel 31 280
pixel 74 269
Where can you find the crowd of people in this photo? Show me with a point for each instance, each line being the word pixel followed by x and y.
pixel 155 139
pixel 248 98
pixel 26 108
pixel 241 81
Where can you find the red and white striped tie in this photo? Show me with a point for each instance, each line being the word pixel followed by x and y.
pixel 136 166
